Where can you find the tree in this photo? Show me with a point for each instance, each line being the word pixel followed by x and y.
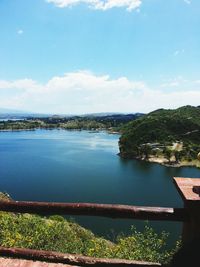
pixel 177 156
pixel 146 150
pixel 167 153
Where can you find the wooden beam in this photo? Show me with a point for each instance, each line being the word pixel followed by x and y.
pixel 93 209
pixel 71 259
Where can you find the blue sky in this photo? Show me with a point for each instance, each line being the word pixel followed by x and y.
pixel 82 56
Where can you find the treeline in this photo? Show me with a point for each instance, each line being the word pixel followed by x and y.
pixel 111 122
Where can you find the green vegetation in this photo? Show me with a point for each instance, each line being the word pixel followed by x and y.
pixel 171 135
pixel 106 122
pixel 57 234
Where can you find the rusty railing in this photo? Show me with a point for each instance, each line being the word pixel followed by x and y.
pixel 189 215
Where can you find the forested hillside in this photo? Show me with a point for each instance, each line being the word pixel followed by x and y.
pixel 173 134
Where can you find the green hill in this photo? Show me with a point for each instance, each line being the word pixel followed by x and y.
pixel 168 134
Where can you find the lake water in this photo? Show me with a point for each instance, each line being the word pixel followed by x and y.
pixel 80 166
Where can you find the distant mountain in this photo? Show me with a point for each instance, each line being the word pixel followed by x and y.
pixel 6 113
pixel 117 117
pixel 107 114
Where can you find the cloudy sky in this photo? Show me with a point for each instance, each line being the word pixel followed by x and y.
pixel 83 56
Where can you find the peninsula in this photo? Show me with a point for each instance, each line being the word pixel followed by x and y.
pixel 168 137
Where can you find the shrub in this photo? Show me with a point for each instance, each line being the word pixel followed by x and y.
pixel 57 234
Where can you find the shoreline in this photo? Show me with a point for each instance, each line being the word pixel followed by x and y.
pixel 60 128
pixel 164 162
pixel 16 130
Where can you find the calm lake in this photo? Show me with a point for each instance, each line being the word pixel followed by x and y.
pixel 82 166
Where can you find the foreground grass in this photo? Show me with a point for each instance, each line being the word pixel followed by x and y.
pixel 57 234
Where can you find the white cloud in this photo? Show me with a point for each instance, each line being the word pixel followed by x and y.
pixel 187 1
pixel 85 92
pixel 178 52
pixel 99 4
pixel 20 32
pixel 22 84
pixel 170 84
pixel 178 81
pixel 75 92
